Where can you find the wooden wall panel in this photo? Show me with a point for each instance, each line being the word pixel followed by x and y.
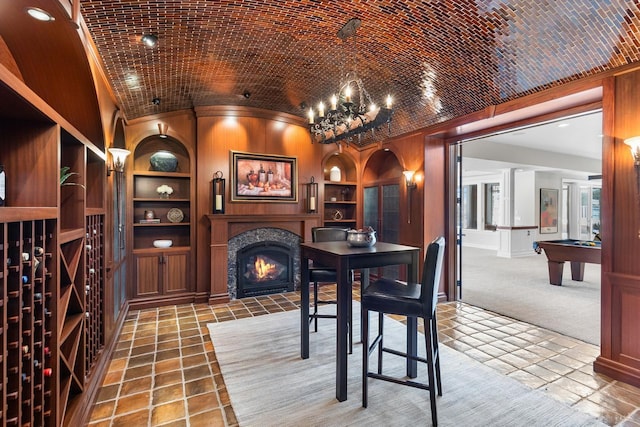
pixel 620 337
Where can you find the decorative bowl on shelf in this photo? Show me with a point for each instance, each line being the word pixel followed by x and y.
pixel 175 215
pixel 163 161
pixel 361 238
pixel 162 243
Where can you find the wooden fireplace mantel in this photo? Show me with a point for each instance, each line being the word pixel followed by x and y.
pixel 224 227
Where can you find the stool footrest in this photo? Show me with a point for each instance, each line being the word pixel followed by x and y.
pixel 405 355
pixel 398 381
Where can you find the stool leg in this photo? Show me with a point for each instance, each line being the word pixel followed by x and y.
pixel 436 347
pixel 350 327
pixel 315 306
pixel 365 355
pixel 381 343
pixel 430 367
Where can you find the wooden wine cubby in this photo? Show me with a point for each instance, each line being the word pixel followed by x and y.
pixel 27 253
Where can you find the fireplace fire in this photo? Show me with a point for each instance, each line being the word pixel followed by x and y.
pixel 264 268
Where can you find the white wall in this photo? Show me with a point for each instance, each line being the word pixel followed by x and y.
pixel 524 203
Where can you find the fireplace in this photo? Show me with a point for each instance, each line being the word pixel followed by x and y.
pixel 277 253
pixel 264 268
pixel 231 233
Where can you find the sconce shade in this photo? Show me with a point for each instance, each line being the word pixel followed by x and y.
pixel 119 157
pixel 218 193
pixel 162 130
pixel 408 176
pixel 634 143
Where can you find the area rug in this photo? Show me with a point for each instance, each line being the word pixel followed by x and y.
pixel 270 385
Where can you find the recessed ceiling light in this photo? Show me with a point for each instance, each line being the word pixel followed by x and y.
pixel 150 40
pixel 40 14
pixel 563 125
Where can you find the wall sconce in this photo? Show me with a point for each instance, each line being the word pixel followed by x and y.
pixel 119 155
pixel 312 196
pixel 218 193
pixel 411 184
pixel 163 129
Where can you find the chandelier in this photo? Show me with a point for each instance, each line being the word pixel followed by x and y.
pixel 352 111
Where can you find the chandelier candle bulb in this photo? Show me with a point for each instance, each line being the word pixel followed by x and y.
pixel 388 101
pixel 347 94
pixel 321 110
pixel 310 115
pixel 334 102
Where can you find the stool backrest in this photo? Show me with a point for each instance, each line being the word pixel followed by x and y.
pixel 431 274
pixel 328 234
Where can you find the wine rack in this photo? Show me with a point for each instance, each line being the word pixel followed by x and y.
pixel 27 251
pixel 94 290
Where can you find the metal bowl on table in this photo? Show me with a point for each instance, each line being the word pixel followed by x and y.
pixel 361 238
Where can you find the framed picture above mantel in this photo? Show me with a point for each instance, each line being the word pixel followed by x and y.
pixel 263 177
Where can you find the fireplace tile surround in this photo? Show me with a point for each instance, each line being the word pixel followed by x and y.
pixel 227 232
pixel 259 235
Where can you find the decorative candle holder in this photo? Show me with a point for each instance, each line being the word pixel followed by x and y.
pixel 218 193
pixel 312 196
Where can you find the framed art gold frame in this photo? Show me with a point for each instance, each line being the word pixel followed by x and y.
pixel 263 177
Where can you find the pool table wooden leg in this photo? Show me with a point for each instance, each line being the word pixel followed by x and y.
pixel 555 272
pixel 577 271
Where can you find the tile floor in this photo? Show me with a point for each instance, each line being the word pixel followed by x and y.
pixel 164 370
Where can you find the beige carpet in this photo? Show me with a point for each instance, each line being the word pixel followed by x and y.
pixel 270 385
pixel 519 288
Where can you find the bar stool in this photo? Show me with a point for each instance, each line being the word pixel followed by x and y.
pixel 411 300
pixel 320 274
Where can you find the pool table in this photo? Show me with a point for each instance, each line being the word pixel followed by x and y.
pixel 577 252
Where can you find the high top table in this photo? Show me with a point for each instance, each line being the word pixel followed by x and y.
pixel 344 258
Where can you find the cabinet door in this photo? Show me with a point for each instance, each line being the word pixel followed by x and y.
pixel 176 272
pixel 148 274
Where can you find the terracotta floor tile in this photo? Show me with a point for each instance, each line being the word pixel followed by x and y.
pixel 202 403
pixel 139 418
pixel 197 372
pixel 200 386
pixel 135 386
pixel 527 379
pixel 108 392
pixel 138 372
pixel 103 410
pixel 167 378
pixel 168 365
pixel 112 378
pixel 132 403
pixel 168 412
pixel 208 419
pixel 167 394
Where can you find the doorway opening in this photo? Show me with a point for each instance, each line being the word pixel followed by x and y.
pixel 519 187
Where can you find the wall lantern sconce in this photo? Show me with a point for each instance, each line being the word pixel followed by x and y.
pixel 162 130
pixel 411 184
pixel 218 193
pixel 312 196
pixel 119 156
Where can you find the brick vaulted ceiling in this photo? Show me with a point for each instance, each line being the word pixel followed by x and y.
pixel 438 59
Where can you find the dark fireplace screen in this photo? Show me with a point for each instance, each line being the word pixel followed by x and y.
pixel 264 268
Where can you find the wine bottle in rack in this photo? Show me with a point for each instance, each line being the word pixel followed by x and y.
pixel 3 186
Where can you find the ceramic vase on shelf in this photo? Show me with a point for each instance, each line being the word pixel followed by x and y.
pixel 335 175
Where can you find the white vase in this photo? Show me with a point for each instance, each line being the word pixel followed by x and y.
pixel 334 174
